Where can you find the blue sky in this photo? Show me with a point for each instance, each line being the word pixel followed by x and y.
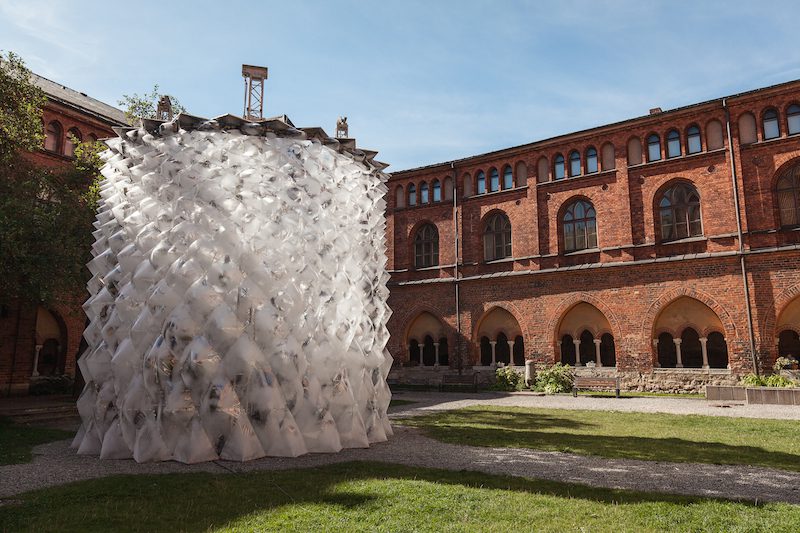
pixel 421 81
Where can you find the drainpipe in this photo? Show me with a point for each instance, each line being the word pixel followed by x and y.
pixel 745 283
pixel 459 362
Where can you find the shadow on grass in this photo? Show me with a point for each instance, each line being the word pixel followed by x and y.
pixel 17 440
pixel 547 432
pixel 377 492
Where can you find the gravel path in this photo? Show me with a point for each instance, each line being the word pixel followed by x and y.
pixel 55 463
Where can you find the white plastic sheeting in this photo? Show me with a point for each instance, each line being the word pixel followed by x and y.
pixel 238 299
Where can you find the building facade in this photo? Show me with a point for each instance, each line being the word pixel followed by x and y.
pixel 662 249
pixel 37 342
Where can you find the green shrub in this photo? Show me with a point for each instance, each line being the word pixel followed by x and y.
pixel 557 378
pixel 508 379
pixel 783 362
pixel 774 380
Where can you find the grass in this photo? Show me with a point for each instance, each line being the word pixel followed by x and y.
pixel 373 497
pixel 646 436
pixel 17 441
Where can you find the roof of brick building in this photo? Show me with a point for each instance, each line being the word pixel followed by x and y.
pixel 63 94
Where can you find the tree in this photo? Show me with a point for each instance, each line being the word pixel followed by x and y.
pixel 46 215
pixel 145 106
pixel 20 108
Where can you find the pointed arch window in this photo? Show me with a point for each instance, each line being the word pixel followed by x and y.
pixel 558 167
pixel 654 148
pixel 53 137
pixel 673 144
pixel 574 164
pixel 426 246
pixel 772 129
pixel 580 226
pixel 680 213
pixel 793 118
pixel 591 161
pixel 494 180
pixel 423 193
pixel 437 191
pixel 694 143
pixel 481 179
pixel 497 237
pixel 508 178
pixel 789 197
pixel 412 195
pixel 73 137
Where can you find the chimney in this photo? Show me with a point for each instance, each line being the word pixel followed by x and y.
pixel 253 91
pixel 655 111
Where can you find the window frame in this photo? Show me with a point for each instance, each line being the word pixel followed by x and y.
pixel 436 190
pixel 585 223
pixel 480 182
pixel 673 136
pixel 690 136
pixel 494 180
pixel 507 182
pixel 558 160
pixel 497 237
pixel 654 139
pixel 792 176
pixel 412 195
pixel 426 246
pixel 679 211
pixel 775 120
pixel 58 135
pixel 591 155
pixel 792 111
pixel 574 157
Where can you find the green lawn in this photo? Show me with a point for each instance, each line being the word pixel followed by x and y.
pixel 647 436
pixel 373 497
pixel 16 441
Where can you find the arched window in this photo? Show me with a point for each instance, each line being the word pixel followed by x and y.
pixel 654 148
pixel 486 351
pixel 467 185
pixel 715 139
pixel 542 170
pixel 494 180
pixel 793 118
pixel 502 350
pixel 423 193
pixel 52 137
pixel 772 128
pixel 437 191
pixel 667 354
pixel 412 195
pixel 428 352
pixel 591 161
pixel 609 157
pixel 413 352
pixel 497 237
pixel 567 350
pixel 680 213
pixel 580 226
pixel 426 246
pixel 399 197
pixel 788 343
pixel 519 351
pixel 673 144
pixel 608 355
pixel 586 351
pixel 789 197
pixel 508 178
pixel 691 349
pixel 73 137
pixel 747 129
pixel 558 167
pixel 693 141
pixel 574 164
pixel 481 178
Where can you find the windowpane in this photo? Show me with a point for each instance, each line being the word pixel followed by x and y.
pixel 694 145
pixel 423 193
pixel 569 237
pixel 580 227
pixel 673 144
pixel 574 164
pixel 789 197
pixel 437 191
pixel 412 195
pixel 508 178
pixel 558 168
pixel 481 182
pixel 653 148
pixel 497 238
pixel 793 118
pixel 771 128
pixel 426 246
pixel 591 234
pixel 591 161
pixel 494 181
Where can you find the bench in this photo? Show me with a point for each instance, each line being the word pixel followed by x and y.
pixel 595 383
pixel 463 380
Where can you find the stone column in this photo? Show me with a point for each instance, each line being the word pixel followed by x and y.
pixel 703 341
pixel 597 352
pixel 494 352
pixel 560 352
pixel 511 353
pixel 408 349
pixel 577 343
pixel 35 372
pixel 436 348
pixel 678 342
pixel 421 348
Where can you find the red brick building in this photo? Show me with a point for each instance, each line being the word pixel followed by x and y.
pixel 37 341
pixel 663 249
